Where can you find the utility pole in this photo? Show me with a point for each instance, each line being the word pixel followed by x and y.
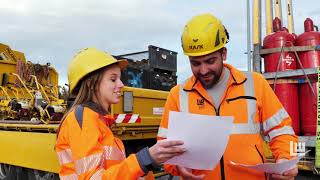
pixel 248 37
pixel 256 28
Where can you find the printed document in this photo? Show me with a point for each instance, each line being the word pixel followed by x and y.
pixel 273 168
pixel 205 138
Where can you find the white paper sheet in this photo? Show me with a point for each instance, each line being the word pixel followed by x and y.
pixel 273 168
pixel 205 138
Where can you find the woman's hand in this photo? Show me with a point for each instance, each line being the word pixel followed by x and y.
pixel 165 150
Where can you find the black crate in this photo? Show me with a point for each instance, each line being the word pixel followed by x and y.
pixel 161 80
pixel 135 77
pixel 136 60
pixel 164 59
pixel 142 64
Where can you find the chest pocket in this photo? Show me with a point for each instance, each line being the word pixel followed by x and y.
pixel 250 127
pixel 239 108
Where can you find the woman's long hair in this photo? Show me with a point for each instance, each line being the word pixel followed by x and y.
pixel 85 90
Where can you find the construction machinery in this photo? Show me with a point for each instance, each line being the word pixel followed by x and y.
pixel 31 107
pixel 29 92
pixel 291 66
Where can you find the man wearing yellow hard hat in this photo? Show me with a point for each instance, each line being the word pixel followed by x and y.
pixel 226 91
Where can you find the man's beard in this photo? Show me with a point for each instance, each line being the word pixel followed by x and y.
pixel 211 83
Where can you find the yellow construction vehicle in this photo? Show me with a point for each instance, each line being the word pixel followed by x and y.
pixel 28 90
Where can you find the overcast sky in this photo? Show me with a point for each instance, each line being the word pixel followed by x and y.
pixel 54 30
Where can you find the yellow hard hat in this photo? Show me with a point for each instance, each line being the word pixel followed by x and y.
pixel 87 61
pixel 203 34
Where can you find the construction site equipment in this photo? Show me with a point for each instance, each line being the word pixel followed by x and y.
pixel 275 62
pixel 309 59
pixel 305 49
pixel 162 59
pixel 152 69
pixel 29 92
pixel 279 38
pixel 300 76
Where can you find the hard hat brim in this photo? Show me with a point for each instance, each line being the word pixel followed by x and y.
pixel 122 63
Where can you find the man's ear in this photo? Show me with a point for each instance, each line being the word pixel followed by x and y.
pixel 224 54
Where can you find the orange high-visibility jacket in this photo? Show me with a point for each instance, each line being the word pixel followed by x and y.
pixel 87 149
pixel 255 108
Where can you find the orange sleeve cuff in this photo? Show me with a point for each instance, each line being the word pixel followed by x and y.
pixel 281 148
pixel 134 166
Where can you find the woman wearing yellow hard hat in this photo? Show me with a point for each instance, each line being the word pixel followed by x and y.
pixel 85 144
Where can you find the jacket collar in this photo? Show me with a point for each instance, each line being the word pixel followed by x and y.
pixel 192 83
pixel 96 108
pixel 104 115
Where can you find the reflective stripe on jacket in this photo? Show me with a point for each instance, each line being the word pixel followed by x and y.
pixel 87 149
pixel 256 111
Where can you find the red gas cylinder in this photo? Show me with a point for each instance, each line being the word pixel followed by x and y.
pixel 277 39
pixel 309 59
pixel 286 92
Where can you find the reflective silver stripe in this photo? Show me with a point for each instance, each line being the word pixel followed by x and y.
pixel 113 153
pixel 246 128
pixel 90 162
pixel 97 175
pixel 249 84
pixel 250 127
pixel 69 177
pixel 251 104
pixel 281 131
pixel 275 120
pixel 65 156
pixel 162 132
pixel 85 164
pixel 183 100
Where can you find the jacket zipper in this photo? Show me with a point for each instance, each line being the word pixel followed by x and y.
pixel 222 173
pixel 265 174
pixel 222 159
